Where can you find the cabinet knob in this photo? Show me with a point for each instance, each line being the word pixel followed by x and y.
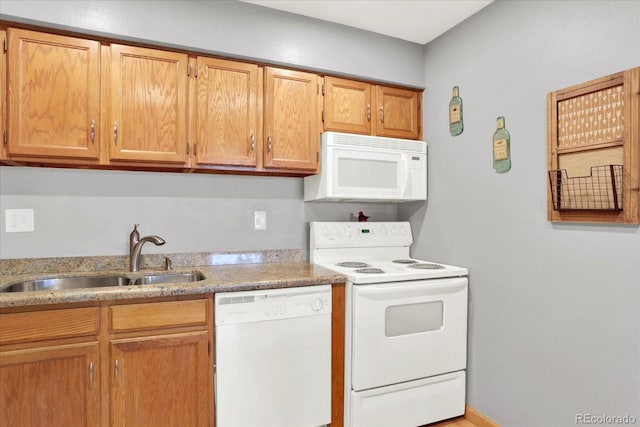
pixel 115 132
pixel 269 144
pixel 253 143
pixel 368 112
pixel 93 131
pixel 381 114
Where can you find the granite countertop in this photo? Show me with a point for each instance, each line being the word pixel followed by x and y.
pixel 289 272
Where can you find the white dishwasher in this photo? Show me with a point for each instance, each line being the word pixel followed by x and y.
pixel 273 357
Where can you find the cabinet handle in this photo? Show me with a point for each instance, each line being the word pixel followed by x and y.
pixel 115 132
pixel 116 370
pixel 381 114
pixel 93 131
pixel 368 112
pixel 91 376
pixel 269 144
pixel 253 143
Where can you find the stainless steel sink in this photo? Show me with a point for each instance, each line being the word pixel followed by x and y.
pixel 60 283
pixel 153 279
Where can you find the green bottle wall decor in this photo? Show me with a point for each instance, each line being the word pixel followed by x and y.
pixel 501 147
pixel 455 113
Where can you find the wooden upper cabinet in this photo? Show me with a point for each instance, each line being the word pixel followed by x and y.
pixel 398 112
pixel 347 106
pixel 148 91
pixel 53 95
pixel 227 120
pixel 353 106
pixel 3 99
pixel 292 137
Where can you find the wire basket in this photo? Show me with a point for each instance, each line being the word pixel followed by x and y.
pixel 601 190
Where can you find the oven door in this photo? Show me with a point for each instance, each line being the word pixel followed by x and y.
pixel 408 330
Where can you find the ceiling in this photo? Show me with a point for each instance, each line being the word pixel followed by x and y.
pixel 418 21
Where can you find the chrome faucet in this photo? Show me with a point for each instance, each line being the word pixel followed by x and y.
pixel 135 246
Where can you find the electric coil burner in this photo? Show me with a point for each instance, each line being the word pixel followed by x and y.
pixel 405 325
pixel 426 266
pixel 349 264
pixel 404 261
pixel 370 270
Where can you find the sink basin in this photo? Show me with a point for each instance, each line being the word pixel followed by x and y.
pixel 153 279
pixel 60 283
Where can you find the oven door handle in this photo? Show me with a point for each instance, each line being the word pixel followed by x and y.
pixel 390 291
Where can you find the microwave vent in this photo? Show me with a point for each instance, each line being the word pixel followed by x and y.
pixel 394 144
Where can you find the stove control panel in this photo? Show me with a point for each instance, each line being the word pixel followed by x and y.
pixel 360 234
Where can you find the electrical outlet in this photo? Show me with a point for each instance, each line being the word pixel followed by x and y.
pixel 18 220
pixel 260 220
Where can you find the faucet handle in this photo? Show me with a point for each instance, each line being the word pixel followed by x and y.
pixel 135 235
pixel 168 265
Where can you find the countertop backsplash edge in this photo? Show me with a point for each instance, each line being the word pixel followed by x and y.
pixel 153 261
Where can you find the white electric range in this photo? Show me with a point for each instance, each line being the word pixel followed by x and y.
pixel 405 325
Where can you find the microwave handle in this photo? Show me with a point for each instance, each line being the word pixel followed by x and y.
pixel 405 175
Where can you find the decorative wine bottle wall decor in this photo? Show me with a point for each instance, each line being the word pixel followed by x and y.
pixel 455 113
pixel 501 147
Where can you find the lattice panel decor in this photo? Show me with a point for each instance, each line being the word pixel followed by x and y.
pixel 592 118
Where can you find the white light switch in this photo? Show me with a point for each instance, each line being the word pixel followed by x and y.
pixel 260 220
pixel 18 220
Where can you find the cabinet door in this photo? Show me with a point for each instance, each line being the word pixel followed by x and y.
pixel 399 113
pixel 227 121
pixel 148 105
pixel 161 381
pixel 54 386
pixel 3 98
pixel 347 106
pixel 291 120
pixel 54 90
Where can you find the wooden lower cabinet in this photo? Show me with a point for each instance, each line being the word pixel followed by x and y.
pixel 50 386
pixel 142 364
pixel 161 380
pixel 146 363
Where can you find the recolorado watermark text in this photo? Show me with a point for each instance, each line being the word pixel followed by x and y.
pixel 605 419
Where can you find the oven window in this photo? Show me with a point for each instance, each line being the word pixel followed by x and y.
pixel 408 319
pixel 365 173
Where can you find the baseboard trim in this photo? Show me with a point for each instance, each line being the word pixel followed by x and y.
pixel 477 418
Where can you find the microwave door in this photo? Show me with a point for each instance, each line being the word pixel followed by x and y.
pixel 360 174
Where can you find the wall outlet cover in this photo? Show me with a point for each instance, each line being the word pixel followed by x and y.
pixel 260 220
pixel 18 220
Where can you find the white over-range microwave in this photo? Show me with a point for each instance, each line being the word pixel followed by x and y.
pixel 363 168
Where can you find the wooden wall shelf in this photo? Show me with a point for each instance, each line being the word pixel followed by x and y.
pixel 593 150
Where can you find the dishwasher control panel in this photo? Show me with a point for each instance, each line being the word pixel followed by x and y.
pixel 272 304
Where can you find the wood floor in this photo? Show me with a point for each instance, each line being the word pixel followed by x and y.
pixel 454 422
pixel 471 418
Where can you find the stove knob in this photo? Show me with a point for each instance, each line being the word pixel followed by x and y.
pixel 383 230
pixel 316 304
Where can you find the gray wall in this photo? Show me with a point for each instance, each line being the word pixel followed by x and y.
pixel 554 308
pixel 81 212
